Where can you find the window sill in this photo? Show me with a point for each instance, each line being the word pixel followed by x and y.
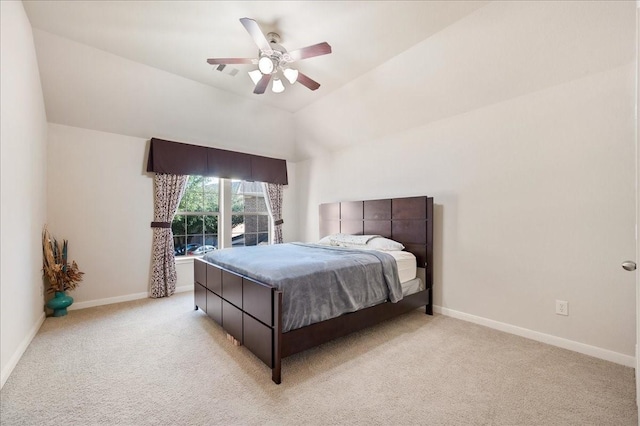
pixel 180 260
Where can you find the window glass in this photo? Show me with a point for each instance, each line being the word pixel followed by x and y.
pixel 195 226
pixel 250 220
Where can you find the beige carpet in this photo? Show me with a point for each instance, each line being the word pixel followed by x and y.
pixel 160 362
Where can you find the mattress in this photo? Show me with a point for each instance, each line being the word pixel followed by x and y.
pixel 407 271
pixel 412 286
pixel 406 264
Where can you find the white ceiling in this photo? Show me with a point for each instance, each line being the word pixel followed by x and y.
pixel 178 36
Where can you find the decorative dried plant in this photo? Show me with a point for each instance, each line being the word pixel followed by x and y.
pixel 61 275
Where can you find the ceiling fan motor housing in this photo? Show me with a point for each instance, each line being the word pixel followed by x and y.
pixel 278 56
pixel 273 37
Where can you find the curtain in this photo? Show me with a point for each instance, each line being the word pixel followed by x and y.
pixel 273 197
pixel 168 193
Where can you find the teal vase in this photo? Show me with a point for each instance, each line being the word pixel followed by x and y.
pixel 60 303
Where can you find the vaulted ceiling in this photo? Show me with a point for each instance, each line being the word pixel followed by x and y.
pixel 139 68
pixel 178 36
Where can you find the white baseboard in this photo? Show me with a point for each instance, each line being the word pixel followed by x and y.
pixel 184 288
pixel 118 299
pixel 8 369
pixel 607 355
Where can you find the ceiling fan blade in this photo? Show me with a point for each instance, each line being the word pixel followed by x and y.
pixel 307 82
pixel 262 84
pixel 227 61
pixel 256 33
pixel 311 51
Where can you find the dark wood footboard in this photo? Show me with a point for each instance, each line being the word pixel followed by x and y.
pixel 246 309
pixel 251 312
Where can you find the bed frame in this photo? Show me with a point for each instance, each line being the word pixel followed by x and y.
pixel 251 311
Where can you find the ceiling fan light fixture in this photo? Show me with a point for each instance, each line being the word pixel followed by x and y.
pixel 255 75
pixel 291 75
pixel 277 86
pixel 265 65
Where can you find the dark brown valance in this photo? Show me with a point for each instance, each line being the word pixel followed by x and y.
pixel 185 159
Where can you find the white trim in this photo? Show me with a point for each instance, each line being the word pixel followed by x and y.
pixel 224 225
pixel 15 358
pixel 272 218
pixel 119 299
pixel 607 355
pixel 186 259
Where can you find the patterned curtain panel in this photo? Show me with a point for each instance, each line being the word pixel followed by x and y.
pixel 273 197
pixel 168 190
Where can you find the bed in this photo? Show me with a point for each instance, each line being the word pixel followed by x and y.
pixel 256 312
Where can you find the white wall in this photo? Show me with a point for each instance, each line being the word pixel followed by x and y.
pixel 23 136
pixel 637 365
pixel 89 88
pixel 502 50
pixel 532 175
pixel 101 199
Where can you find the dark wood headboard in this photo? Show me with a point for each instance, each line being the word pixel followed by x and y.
pixel 406 220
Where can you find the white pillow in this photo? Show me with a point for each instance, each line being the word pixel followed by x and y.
pixel 325 241
pixel 374 242
pixel 348 240
pixel 382 243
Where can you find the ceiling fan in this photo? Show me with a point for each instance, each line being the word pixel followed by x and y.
pixel 274 60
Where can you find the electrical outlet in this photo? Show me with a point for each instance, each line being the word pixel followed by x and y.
pixel 562 307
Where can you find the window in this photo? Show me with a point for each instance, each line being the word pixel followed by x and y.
pixel 201 216
pixel 250 218
pixel 195 226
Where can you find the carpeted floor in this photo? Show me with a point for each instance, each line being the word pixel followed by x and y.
pixel 160 362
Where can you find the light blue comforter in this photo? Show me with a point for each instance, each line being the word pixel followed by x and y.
pixel 317 282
